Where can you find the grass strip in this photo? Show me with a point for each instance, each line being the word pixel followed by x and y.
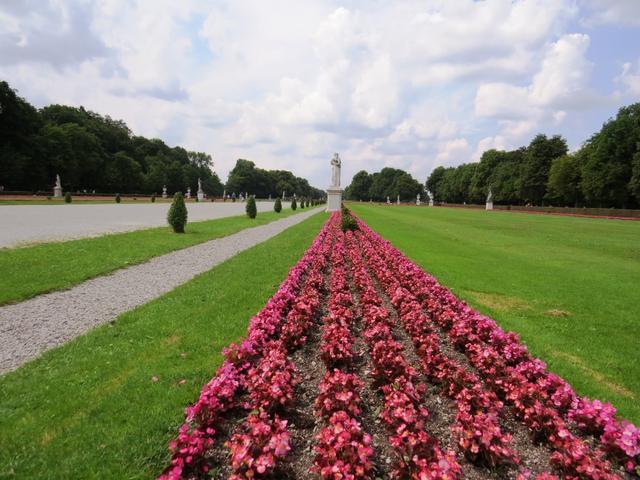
pixel 567 285
pixel 106 404
pixel 45 267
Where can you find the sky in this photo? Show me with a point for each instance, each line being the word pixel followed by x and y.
pixel 403 84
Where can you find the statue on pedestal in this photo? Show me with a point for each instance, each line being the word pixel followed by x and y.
pixel 336 164
pixel 418 200
pixel 398 200
pixel 430 195
pixel 200 191
pixel 189 192
pixel 164 191
pixel 57 189
pixel 489 204
pixel 334 192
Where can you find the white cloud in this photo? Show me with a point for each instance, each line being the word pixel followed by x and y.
pixel 454 152
pixel 630 78
pixel 616 12
pixel 405 84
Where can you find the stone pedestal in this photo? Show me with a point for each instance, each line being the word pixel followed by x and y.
pixel 334 199
pixel 57 192
pixel 200 196
pixel 489 205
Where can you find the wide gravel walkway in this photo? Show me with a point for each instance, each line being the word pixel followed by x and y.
pixel 31 327
pixel 24 224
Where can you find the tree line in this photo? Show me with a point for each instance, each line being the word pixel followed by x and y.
pixel 604 172
pixel 246 177
pixel 388 182
pixel 94 152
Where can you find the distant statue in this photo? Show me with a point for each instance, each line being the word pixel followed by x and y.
pixel 189 192
pixel 164 191
pixel 418 199
pixel 200 191
pixel 57 189
pixel 430 195
pixel 398 200
pixel 489 204
pixel 388 201
pixel 336 164
pixel 284 192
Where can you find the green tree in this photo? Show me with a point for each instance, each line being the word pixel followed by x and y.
pixel 277 206
pixel 609 155
pixel 177 215
pixel 634 183
pixel 537 162
pixel 294 205
pixel 251 209
pixel 433 182
pixel 359 187
pixel 563 186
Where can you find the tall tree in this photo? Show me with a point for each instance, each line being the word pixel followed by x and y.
pixel 537 162
pixel 434 180
pixel 563 186
pixel 359 187
pixel 608 159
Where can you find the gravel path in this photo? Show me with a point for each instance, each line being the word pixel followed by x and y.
pixel 31 327
pixel 24 224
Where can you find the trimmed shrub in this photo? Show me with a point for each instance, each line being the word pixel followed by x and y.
pixel 348 222
pixel 117 198
pixel 277 207
pixel 294 205
pixel 153 198
pixel 251 209
pixel 177 216
pixel 302 203
pixel 67 197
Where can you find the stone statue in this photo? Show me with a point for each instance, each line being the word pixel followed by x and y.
pixel 398 200
pixel 388 201
pixel 489 204
pixel 164 191
pixel 430 195
pixel 336 164
pixel 189 192
pixel 200 191
pixel 283 194
pixel 418 199
pixel 57 189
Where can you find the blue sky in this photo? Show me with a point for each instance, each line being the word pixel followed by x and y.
pixel 405 84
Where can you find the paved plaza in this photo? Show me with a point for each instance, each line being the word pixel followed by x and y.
pixel 25 224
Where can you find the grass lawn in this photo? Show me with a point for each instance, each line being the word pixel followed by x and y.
pixel 569 286
pixel 29 271
pixel 90 409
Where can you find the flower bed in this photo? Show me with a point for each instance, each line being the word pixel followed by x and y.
pixel 421 346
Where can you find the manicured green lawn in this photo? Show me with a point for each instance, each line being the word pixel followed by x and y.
pixel 91 409
pixel 41 268
pixel 570 286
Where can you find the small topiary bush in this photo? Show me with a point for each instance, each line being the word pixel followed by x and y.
pixel 118 198
pixel 277 207
pixel 67 197
pixel 294 205
pixel 251 209
pixel 348 221
pixel 177 216
pixel 302 203
pixel 153 198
